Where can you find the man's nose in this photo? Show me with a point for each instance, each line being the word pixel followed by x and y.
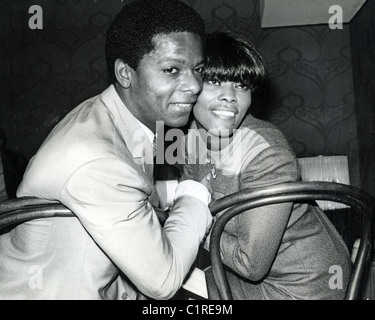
pixel 192 83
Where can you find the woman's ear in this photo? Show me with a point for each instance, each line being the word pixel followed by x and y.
pixel 123 73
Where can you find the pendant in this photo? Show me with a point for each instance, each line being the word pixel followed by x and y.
pixel 212 171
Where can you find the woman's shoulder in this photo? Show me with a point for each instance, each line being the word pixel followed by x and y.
pixel 258 124
pixel 264 129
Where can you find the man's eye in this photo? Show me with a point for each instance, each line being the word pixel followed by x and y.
pixel 214 82
pixel 199 69
pixel 170 71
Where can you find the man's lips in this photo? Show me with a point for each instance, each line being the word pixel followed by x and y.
pixel 182 106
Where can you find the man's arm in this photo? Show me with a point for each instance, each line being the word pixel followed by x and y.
pixel 110 198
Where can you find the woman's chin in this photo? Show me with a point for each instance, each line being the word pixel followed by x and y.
pixel 221 132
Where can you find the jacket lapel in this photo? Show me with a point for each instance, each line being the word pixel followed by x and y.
pixel 135 138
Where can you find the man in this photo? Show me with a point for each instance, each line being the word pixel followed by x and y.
pixel 98 162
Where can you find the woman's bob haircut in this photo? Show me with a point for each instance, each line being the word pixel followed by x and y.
pixel 231 58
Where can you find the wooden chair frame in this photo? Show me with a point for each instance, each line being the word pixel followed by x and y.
pixel 359 200
pixel 15 211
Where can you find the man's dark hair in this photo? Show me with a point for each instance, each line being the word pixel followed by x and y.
pixel 232 58
pixel 130 35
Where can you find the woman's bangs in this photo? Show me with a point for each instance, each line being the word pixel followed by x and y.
pixel 228 72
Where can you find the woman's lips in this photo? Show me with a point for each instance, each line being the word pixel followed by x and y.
pixel 224 113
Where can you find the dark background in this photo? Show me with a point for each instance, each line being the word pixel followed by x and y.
pixel 320 88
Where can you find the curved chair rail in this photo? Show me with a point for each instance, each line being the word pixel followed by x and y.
pixel 248 199
pixel 24 209
pixel 14 211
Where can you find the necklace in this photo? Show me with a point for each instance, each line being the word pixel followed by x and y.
pixel 213 172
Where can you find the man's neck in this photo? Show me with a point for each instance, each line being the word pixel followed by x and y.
pixel 124 96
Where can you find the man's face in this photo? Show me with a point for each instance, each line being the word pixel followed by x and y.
pixel 221 106
pixel 167 81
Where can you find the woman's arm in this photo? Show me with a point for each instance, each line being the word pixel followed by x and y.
pixel 250 242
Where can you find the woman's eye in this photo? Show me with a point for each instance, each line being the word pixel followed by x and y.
pixel 170 71
pixel 214 82
pixel 242 86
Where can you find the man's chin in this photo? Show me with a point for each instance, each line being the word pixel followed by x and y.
pixel 177 123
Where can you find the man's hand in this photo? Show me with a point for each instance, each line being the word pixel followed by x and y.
pixel 162 215
pixel 194 189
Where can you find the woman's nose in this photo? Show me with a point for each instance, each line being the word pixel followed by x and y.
pixel 227 93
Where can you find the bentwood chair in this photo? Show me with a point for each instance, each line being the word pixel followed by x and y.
pixel 19 210
pixel 360 202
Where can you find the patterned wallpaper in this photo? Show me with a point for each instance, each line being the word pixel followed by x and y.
pixel 45 73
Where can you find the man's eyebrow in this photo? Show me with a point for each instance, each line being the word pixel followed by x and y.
pixel 177 60
pixel 166 59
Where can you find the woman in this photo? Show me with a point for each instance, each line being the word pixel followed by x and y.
pixel 281 251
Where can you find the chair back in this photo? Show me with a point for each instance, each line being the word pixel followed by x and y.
pixel 18 210
pixel 360 201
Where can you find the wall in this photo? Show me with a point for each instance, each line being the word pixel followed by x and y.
pixel 309 93
pixel 363 51
pixel 50 71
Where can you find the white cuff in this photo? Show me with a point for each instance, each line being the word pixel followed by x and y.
pixel 194 189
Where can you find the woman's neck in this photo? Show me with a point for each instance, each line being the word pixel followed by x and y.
pixel 214 142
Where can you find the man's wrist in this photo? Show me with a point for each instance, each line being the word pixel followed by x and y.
pixel 194 189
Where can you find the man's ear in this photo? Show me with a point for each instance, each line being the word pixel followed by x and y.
pixel 123 73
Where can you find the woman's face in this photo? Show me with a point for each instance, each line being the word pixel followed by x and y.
pixel 221 106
